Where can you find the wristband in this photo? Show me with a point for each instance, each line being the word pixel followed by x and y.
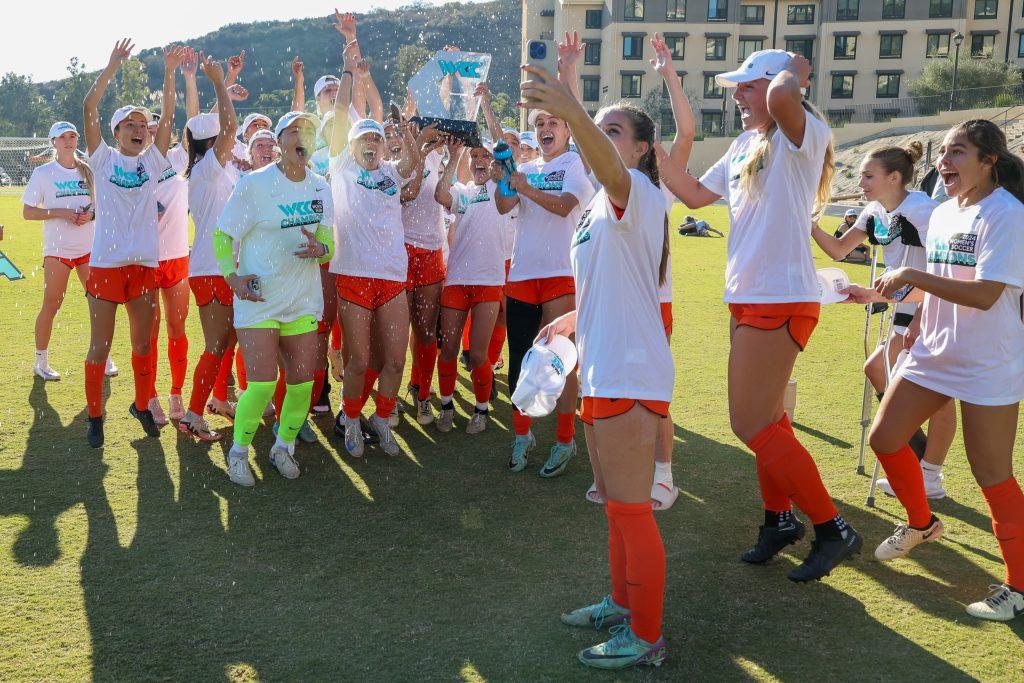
pixel 346 71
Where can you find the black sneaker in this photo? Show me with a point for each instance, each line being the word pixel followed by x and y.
pixel 94 434
pixel 772 539
pixel 826 556
pixel 369 436
pixel 146 418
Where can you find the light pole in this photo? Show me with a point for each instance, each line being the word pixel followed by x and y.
pixel 957 39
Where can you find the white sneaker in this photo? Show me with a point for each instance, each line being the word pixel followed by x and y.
pixel 382 429
pixel 353 437
pixel 905 538
pixel 47 373
pixel 158 411
pixel 282 459
pixel 239 471
pixel 933 488
pixel 111 369
pixel 1003 604
pixel 445 418
pixel 393 418
pixel 175 406
pixel 477 423
pixel 424 412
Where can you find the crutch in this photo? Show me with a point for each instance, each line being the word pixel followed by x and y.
pixel 865 402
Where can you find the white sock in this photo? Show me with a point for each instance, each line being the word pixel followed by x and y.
pixel 483 407
pixel 663 472
pixel 238 451
pixel 445 400
pixel 290 447
pixel 928 467
pixel 41 358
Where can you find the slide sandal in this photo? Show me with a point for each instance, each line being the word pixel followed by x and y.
pixel 663 496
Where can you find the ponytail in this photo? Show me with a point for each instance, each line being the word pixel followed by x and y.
pixel 85 171
pixel 1007 168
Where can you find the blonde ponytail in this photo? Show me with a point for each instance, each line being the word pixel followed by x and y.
pixel 85 171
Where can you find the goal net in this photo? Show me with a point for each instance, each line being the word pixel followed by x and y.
pixel 18 157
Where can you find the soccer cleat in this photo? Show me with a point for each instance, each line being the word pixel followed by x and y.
pixel 478 422
pixel 520 447
pixel 905 538
pixel 385 437
pixel 424 412
pixel 306 433
pixel 145 417
pixel 826 556
pixel 772 539
pixel 196 426
pixel 222 408
pixel 1002 604
pixel 598 615
pixel 110 370
pixel 239 471
pixel 158 411
pixel 369 436
pixel 393 418
pixel 282 459
pixel 558 460
pixel 94 432
pixel 175 407
pixel 412 397
pixel 46 372
pixel 624 650
pixel 445 418
pixel 352 431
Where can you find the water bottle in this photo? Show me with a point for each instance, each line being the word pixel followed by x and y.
pixel 503 155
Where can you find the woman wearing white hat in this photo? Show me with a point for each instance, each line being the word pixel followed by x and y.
pixel 528 147
pixel 125 249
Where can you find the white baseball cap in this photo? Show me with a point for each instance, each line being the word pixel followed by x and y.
pixel 262 134
pixel 293 116
pixel 248 121
pixel 851 212
pixel 528 138
pixel 760 64
pixel 204 126
pixel 126 111
pixel 61 127
pixel 512 131
pixel 365 127
pixel 322 83
pixel 534 113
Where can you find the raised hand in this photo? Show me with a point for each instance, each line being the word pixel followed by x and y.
pixel 238 92
pixel 212 69
pixel 173 57
pixel 312 248
pixel 362 68
pixel 662 62
pixel 298 68
pixel 542 90
pixel 483 91
pixel 455 147
pixel 350 56
pixel 570 50
pixel 345 24
pixel 801 68
pixel 190 64
pixel 121 52
pixel 236 63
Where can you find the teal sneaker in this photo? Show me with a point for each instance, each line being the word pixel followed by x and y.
pixel 599 615
pixel 624 650
pixel 520 447
pixel 306 433
pixel 561 454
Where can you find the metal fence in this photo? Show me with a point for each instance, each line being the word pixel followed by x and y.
pixel 18 157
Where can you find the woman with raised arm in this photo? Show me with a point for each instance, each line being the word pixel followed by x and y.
pixel 125 249
pixel 619 257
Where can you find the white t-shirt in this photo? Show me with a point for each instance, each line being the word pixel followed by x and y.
pixel 543 238
pixel 769 252
pixel 240 151
pixel 178 158
pixel 172 214
pixel 477 255
pixel 916 209
pixel 619 333
pixel 264 215
pixel 54 187
pixel 320 160
pixel 423 216
pixel 967 353
pixel 368 224
pixel 126 213
pixel 209 188
pixel 665 288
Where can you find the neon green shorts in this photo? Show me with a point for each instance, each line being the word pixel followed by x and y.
pixel 306 323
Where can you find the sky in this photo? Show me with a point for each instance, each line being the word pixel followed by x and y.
pixel 39 39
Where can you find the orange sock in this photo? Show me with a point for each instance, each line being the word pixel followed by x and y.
pixel 142 369
pixel 279 392
pixel 154 342
pixel 645 565
pixel 369 379
pixel 177 357
pixel 520 423
pixel 788 464
pixel 318 387
pixel 203 379
pixel 907 480
pixel 786 424
pixel 496 344
pixel 617 562
pixel 220 385
pixel 1006 503
pixel 423 368
pixel 240 376
pixel 483 377
pixel 352 407
pixel 385 405
pixel 566 428
pixel 447 370
pixel 775 498
pixel 94 388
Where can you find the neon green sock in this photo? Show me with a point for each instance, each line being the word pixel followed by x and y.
pixel 294 409
pixel 249 411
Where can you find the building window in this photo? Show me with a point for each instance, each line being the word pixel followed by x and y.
pixel 632 47
pixel 664 86
pixel 592 53
pixel 711 122
pixel 847 10
pixel 982 46
pixel 751 14
pixel 986 9
pixel 634 10
pixel 1020 45
pixel 940 9
pixel 750 45
pixel 668 124
pixel 631 85
pixel 890 46
pixel 888 86
pixel 894 9
pixel 842 86
pixel 676 45
pixel 591 89
pixel 676 10
pixel 846 47
pixel 802 46
pixel 938 45
pixel 593 18
pixel 800 14
pixel 718 10
pixel 715 50
pixel 712 91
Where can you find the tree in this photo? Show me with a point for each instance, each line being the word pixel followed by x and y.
pixel 68 98
pixel 409 60
pixel 978 83
pixel 23 111
pixel 133 85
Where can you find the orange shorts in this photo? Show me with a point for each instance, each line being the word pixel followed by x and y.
pixel 71 263
pixel 426 267
pixel 121 284
pixel 207 288
pixel 601 408
pixel 171 272
pixel 800 318
pixel 541 290
pixel 465 297
pixel 368 292
pixel 666 317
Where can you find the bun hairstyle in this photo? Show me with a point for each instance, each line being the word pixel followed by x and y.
pixel 1007 168
pixel 900 160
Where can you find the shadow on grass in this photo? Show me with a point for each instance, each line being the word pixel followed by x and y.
pixel 827 438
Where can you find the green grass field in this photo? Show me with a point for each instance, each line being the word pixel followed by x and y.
pixel 141 561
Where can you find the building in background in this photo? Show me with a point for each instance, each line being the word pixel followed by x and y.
pixel 863 51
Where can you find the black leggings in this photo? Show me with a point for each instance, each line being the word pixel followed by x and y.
pixel 523 324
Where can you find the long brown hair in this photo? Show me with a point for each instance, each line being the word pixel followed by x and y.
pixel 1008 169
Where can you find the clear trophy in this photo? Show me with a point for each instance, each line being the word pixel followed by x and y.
pixel 443 90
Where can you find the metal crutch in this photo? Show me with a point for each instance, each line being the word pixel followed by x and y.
pixel 865 403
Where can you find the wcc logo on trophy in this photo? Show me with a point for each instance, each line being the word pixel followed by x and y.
pixel 443 90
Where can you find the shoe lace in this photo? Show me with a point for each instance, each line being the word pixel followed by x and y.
pixel 236 466
pixel 622 637
pixel 899 535
pixel 598 612
pixel 998 595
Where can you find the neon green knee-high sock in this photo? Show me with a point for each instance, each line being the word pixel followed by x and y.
pixel 249 410
pixel 294 409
